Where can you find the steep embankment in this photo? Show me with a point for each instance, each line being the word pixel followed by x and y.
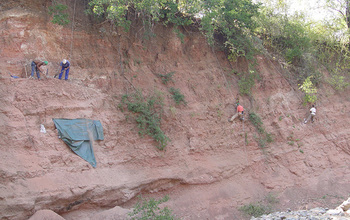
pixel 209 168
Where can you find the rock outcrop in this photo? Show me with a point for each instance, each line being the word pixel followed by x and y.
pixel 45 215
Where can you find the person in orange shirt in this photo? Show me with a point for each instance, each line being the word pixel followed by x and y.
pixel 240 112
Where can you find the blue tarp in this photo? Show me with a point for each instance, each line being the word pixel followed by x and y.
pixel 77 134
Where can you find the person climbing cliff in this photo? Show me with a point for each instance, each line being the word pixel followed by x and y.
pixel 65 67
pixel 311 115
pixel 239 112
pixel 36 66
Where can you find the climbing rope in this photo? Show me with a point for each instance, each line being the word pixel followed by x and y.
pixel 222 72
pixel 122 73
pixel 72 35
pixel 284 74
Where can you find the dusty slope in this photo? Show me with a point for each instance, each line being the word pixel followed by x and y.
pixel 207 170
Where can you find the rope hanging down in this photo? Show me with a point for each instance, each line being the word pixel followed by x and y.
pixel 72 35
pixel 222 72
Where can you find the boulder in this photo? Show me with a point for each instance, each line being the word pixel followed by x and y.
pixel 114 213
pixel 46 215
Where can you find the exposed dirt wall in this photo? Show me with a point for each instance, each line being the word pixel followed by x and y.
pixel 210 167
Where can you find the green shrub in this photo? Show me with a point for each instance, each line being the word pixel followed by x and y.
pixel 180 35
pixel 263 135
pixel 255 210
pixel 177 96
pixel 309 90
pixel 166 77
pixel 269 137
pixel 271 198
pixel 246 84
pixel 59 17
pixel 247 80
pixel 338 82
pixel 149 210
pixel 256 121
pixel 147 114
pixel 293 54
pixel 262 207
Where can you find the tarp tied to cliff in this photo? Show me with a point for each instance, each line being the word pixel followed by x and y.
pixel 78 134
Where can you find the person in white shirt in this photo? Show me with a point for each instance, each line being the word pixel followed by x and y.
pixel 312 114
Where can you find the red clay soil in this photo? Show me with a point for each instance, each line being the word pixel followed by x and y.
pixel 210 167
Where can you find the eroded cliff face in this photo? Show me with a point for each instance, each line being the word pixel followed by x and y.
pixel 210 167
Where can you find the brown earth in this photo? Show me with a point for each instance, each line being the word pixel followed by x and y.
pixel 210 167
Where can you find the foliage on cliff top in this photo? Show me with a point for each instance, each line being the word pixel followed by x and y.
pixel 232 19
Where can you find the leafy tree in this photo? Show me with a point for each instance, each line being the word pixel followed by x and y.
pixel 288 34
pixel 233 19
pixel 307 44
pixel 114 10
pixel 342 8
pixel 149 10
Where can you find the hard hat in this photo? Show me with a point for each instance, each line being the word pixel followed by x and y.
pixel 64 61
pixel 46 62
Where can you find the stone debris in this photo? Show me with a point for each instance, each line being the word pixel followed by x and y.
pixel 342 212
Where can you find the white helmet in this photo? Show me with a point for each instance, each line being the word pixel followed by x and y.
pixel 64 61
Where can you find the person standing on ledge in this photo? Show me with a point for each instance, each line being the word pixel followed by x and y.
pixel 65 67
pixel 36 64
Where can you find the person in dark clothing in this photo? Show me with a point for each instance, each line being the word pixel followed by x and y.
pixel 65 67
pixel 36 66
